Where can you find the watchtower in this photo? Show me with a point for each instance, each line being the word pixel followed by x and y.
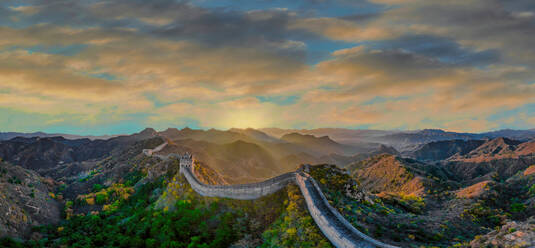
pixel 186 160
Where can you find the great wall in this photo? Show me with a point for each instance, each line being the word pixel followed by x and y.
pixel 331 223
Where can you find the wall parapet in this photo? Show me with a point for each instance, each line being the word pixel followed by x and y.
pixel 321 208
pixel 240 191
pixel 332 224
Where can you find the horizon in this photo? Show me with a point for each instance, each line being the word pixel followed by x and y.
pixel 260 129
pixel 118 66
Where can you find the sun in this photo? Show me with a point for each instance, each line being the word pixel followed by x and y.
pixel 244 119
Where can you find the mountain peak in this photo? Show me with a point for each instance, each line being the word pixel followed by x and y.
pixel 296 137
pixel 386 149
pixel 148 130
pixel 433 130
pixel 502 141
pixel 171 129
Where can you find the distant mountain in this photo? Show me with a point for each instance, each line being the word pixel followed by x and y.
pixel 522 135
pixel 440 150
pixel 42 153
pixel 344 161
pixel 498 148
pixel 340 135
pixel 249 155
pixel 211 135
pixel 400 140
pixel 404 141
pixel 324 144
pixel 236 162
pixel 256 134
pixel 319 145
pixel 10 135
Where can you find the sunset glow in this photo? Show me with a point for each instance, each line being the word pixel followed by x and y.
pixel 118 66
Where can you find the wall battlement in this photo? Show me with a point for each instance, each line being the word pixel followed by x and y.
pixel 240 191
pixel 331 223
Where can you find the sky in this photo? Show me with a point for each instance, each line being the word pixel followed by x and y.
pixel 117 66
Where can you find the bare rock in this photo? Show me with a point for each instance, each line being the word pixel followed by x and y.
pixel 512 234
pixel 25 201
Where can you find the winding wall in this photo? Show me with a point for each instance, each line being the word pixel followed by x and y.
pixel 332 224
pixel 239 191
pixel 150 152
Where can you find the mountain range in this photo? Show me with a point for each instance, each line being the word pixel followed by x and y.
pixel 471 182
pixel 401 140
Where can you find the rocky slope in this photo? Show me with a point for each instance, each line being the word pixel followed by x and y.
pixel 26 200
pixel 390 174
pixel 499 148
pixel 500 158
pixel 512 234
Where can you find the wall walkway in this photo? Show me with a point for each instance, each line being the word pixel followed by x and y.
pixel 332 224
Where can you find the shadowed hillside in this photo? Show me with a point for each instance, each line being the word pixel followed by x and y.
pixel 391 174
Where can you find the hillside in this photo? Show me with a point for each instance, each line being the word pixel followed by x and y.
pixel 498 148
pixel 390 174
pixel 441 196
pixel 26 200
pixel 440 150
pixel 255 134
pixel 319 145
pixel 40 154
pixel 248 155
pixel 236 162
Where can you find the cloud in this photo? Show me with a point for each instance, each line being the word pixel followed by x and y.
pixel 477 23
pixel 181 62
pixel 343 29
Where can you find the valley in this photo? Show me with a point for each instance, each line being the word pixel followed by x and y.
pixel 433 191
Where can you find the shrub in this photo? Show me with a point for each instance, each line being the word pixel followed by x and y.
pixel 484 215
pixel 101 198
pixel 517 207
pixel 532 190
pixel 97 187
pixel 90 201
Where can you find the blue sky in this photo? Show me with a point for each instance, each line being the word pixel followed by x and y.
pixel 104 67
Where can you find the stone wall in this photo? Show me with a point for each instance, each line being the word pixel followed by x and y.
pixel 239 191
pixel 150 152
pixel 332 224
